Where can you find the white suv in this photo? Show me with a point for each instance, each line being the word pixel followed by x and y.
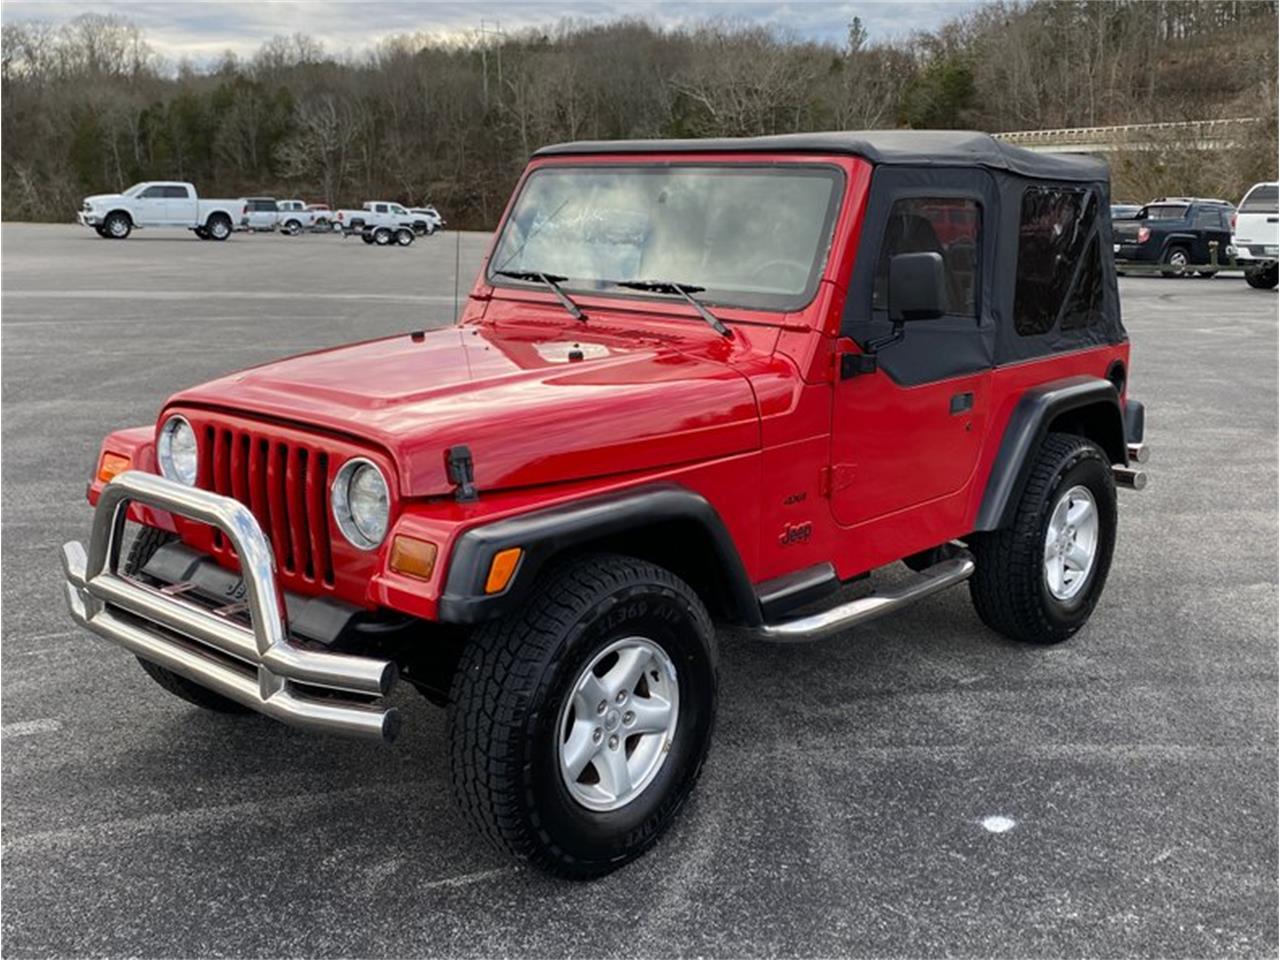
pixel 1256 234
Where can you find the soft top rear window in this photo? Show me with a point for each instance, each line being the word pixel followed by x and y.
pixel 1261 199
pixel 1164 211
pixel 750 235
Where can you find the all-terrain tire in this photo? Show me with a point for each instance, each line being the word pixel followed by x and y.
pixel 148 541
pixel 506 704
pixel 1009 588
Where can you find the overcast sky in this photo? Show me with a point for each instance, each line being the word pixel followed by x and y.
pixel 202 31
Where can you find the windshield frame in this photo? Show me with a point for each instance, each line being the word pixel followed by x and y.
pixel 837 173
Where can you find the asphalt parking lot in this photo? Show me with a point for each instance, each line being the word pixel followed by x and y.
pixel 847 805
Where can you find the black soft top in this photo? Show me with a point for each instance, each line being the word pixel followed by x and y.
pixel 945 148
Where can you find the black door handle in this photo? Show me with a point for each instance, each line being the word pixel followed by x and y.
pixel 961 402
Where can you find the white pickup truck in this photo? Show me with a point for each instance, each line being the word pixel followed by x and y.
pixel 1256 235
pixel 378 221
pixel 158 203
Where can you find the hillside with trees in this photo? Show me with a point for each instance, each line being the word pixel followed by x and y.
pixel 89 107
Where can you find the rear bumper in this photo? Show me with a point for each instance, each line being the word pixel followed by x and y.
pixel 255 664
pixel 1257 254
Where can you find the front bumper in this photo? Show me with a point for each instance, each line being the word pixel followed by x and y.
pixel 88 218
pixel 254 665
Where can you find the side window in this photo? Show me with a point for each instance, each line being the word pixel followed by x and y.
pixel 380 208
pixel 176 193
pixel 1052 232
pixel 950 226
pixel 152 193
pixel 1208 218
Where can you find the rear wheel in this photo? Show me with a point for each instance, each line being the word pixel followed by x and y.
pixel 148 541
pixel 578 725
pixel 1175 260
pixel 404 236
pixel 1262 279
pixel 202 233
pixel 367 236
pixel 1039 579
pixel 382 236
pixel 218 227
pixel 292 228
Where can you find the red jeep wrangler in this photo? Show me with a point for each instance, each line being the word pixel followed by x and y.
pixel 696 382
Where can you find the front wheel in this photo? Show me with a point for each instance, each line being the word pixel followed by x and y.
pixel 578 725
pixel 118 226
pixel 1039 579
pixel 1262 279
pixel 382 236
pixel 367 237
pixel 404 236
pixel 292 228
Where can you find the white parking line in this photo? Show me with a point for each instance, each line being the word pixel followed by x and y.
pixel 469 878
pixel 26 728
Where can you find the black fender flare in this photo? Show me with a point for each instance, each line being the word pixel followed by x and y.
pixel 546 533
pixel 1030 422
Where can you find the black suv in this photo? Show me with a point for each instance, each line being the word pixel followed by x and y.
pixel 1175 231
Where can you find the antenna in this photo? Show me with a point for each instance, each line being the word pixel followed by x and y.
pixel 457 258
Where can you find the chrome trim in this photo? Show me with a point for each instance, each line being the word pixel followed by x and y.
pixel 1139 452
pixel 340 504
pixel 164 448
pixel 857 612
pixel 255 665
pixel 1128 477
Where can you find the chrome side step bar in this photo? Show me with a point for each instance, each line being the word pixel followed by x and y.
pixel 256 665
pixel 816 626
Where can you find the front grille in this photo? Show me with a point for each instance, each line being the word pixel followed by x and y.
pixel 284 484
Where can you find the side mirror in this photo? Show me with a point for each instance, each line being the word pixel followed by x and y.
pixel 917 287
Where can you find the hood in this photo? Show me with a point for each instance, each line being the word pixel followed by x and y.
pixel 103 197
pixel 531 411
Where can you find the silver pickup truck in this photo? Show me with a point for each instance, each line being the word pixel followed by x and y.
pixel 158 203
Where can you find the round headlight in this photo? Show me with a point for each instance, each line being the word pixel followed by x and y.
pixel 176 451
pixel 361 503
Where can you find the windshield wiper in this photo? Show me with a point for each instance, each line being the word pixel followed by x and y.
pixel 685 290
pixel 551 280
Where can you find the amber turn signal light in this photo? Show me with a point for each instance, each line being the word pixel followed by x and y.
pixel 412 557
pixel 501 570
pixel 112 464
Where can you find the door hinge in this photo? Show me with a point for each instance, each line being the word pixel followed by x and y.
pixel 837 477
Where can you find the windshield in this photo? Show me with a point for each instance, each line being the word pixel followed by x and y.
pixel 134 190
pixel 750 236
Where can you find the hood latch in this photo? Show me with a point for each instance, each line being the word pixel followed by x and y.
pixel 461 469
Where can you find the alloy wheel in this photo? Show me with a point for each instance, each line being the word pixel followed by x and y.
pixel 1071 543
pixel 617 724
